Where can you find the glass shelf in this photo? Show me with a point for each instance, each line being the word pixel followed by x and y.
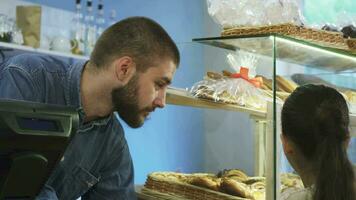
pixel 288 49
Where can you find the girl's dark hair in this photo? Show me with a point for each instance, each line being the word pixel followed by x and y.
pixel 316 119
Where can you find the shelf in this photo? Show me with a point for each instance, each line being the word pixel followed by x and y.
pixel 10 49
pixel 182 97
pixel 288 49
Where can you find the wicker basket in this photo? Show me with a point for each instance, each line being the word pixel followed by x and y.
pixel 351 43
pixel 321 37
pixel 158 195
pixel 185 191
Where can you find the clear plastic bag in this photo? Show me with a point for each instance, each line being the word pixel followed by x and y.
pixel 231 13
pixel 241 87
pixel 230 90
pixel 234 13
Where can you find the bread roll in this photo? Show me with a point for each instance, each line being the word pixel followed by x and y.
pixel 235 174
pixel 236 188
pixel 206 182
pixel 268 84
pixel 285 84
pixel 227 73
pixel 254 179
pixel 214 75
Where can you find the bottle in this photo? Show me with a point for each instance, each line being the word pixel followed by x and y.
pixel 100 19
pixel 90 31
pixel 78 30
pixel 112 18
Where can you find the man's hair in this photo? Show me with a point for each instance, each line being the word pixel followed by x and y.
pixel 144 40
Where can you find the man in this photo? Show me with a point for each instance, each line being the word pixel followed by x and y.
pixel 129 70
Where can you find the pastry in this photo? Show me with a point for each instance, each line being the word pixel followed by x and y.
pixel 286 85
pixel 206 182
pixel 254 179
pixel 280 87
pixel 267 83
pixel 259 195
pixel 236 188
pixel 349 31
pixel 170 176
pixel 350 96
pixel 258 190
pixel 214 75
pixel 289 180
pixel 258 186
pixel 236 174
pixel 329 27
pixel 227 73
pixel 207 92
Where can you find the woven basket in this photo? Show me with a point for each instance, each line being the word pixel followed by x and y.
pixel 351 43
pixel 159 195
pixel 186 191
pixel 321 37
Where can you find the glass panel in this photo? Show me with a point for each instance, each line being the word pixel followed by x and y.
pixel 259 45
pixel 314 56
pixel 296 63
pixel 289 50
pixel 241 140
pixel 303 64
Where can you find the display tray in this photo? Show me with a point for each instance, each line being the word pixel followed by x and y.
pixel 320 37
pixel 231 184
pixel 176 190
pixel 147 194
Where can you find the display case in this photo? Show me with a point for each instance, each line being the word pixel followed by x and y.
pixel 283 58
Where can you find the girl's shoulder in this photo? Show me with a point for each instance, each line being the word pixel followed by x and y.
pixel 297 194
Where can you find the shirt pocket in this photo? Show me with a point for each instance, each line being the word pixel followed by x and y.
pixel 83 180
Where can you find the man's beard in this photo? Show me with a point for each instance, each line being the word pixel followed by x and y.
pixel 125 102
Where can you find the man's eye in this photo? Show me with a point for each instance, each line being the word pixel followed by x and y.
pixel 159 85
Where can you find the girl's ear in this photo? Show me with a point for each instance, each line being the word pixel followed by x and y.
pixel 286 143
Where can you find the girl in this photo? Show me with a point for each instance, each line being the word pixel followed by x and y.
pixel 315 136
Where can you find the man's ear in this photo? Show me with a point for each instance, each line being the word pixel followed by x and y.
pixel 125 68
pixel 347 142
pixel 287 145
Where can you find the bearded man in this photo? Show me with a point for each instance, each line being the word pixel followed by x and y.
pixel 128 72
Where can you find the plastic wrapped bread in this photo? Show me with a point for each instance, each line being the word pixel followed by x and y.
pixel 230 90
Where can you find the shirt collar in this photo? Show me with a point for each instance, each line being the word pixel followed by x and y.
pixel 74 96
pixel 73 87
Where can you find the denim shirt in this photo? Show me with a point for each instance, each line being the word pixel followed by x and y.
pixel 97 163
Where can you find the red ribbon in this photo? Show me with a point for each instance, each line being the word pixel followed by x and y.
pixel 257 81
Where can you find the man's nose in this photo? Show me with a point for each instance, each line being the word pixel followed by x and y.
pixel 160 100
